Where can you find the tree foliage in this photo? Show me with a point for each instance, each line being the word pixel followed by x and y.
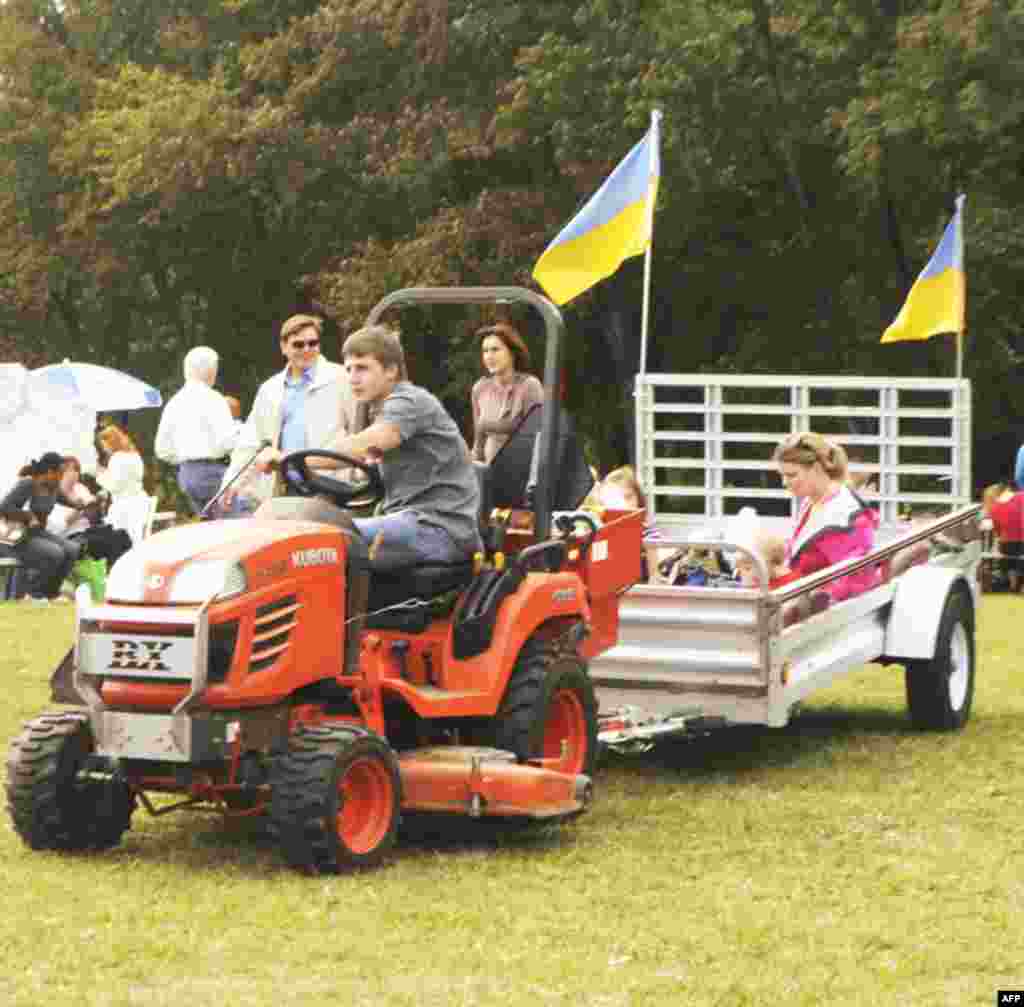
pixel 196 170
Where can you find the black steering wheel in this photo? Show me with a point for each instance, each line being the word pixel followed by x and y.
pixel 340 488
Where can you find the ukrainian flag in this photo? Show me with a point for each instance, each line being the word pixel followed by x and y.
pixel 937 299
pixel 614 225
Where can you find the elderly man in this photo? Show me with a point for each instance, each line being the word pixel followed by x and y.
pixel 197 430
pixel 304 406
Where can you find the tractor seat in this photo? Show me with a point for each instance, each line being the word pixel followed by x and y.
pixel 435 584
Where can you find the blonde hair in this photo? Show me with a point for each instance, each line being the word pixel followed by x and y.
pixel 861 480
pixel 992 493
pixel 625 476
pixel 772 548
pixel 808 449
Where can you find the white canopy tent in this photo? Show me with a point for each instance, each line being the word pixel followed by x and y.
pixel 34 420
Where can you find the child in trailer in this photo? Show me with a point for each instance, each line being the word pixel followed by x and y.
pixel 772 549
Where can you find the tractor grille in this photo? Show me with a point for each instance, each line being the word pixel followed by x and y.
pixel 223 638
pixel 272 631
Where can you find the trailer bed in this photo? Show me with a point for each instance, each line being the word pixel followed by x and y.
pixel 693 657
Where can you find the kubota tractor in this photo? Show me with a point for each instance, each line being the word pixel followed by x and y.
pixel 243 665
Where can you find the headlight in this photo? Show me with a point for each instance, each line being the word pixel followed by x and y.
pixel 198 581
pixel 126 580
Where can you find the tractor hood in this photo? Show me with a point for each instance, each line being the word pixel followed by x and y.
pixel 193 563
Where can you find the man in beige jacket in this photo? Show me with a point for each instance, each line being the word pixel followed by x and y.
pixel 305 406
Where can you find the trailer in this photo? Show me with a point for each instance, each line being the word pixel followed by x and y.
pixel 690 659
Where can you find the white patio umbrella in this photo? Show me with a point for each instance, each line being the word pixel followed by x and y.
pixel 101 388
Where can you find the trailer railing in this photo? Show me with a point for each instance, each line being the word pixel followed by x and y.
pixel 704 442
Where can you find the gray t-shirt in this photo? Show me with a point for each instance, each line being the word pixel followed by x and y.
pixel 430 472
pixel 23 492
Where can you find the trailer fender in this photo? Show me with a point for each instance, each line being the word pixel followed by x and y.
pixel 917 606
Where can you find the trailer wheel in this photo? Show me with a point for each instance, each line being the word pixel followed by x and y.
pixel 53 804
pixel 940 691
pixel 549 711
pixel 335 799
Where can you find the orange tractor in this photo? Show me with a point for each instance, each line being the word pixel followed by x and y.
pixel 256 666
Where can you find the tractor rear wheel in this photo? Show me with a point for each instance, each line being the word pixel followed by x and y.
pixel 335 799
pixel 549 711
pixel 55 800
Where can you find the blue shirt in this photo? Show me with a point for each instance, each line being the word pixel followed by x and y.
pixel 1018 472
pixel 293 413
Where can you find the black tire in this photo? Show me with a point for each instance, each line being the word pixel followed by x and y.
pixel 336 799
pixel 549 701
pixel 940 691
pixel 51 805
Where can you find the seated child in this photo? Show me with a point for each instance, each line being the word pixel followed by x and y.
pixel 772 549
pixel 621 490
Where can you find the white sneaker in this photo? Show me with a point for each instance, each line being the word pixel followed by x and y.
pixel 39 601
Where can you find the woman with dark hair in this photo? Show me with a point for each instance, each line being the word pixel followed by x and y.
pixel 46 557
pixel 502 398
pixel 77 506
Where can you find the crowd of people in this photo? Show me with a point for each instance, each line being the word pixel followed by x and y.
pixel 366 409
pixel 54 518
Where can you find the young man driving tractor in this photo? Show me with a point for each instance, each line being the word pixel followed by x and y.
pixel 431 503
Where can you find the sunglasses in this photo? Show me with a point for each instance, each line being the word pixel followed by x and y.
pixel 304 344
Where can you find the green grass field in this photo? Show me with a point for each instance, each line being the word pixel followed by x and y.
pixel 845 859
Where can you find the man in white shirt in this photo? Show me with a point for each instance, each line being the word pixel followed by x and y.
pixel 305 406
pixel 197 429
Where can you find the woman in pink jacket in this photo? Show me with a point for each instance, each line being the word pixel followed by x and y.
pixel 833 523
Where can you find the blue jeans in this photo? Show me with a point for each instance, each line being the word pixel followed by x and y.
pixel 48 558
pixel 200 482
pixel 406 541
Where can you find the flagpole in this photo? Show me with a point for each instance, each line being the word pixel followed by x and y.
pixel 961 336
pixel 646 308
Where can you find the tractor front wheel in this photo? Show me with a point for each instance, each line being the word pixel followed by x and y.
pixel 335 799
pixel 55 799
pixel 549 711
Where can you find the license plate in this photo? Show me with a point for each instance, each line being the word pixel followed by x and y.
pixel 133 656
pixel 157 738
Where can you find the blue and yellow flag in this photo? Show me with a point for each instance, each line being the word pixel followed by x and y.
pixel 614 225
pixel 938 298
